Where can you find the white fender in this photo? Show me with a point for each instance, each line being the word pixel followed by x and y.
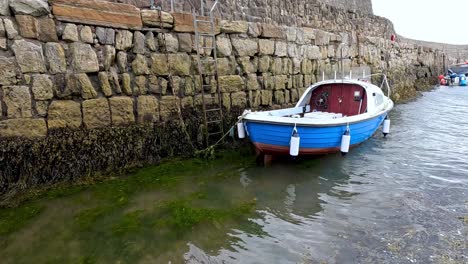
pixel 241 130
pixel 294 146
pixel 386 127
pixel 345 143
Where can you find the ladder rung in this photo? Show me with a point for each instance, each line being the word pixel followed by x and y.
pixel 204 47
pixel 214 121
pixel 202 16
pixel 203 21
pixel 206 35
pixel 208 60
pixel 215 133
pixel 213 110
pixel 207 94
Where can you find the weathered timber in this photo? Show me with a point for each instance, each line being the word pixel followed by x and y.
pixel 95 12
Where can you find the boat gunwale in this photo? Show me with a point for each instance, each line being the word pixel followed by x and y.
pixel 289 123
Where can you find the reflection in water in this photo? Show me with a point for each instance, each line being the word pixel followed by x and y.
pixel 401 199
pixel 393 200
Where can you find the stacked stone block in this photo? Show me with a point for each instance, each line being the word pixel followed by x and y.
pixel 58 74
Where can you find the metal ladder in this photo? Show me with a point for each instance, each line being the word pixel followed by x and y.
pixel 208 71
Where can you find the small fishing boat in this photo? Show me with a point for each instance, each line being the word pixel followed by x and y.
pixel 330 117
pixel 456 75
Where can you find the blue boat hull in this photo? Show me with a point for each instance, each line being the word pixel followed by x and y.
pixel 274 139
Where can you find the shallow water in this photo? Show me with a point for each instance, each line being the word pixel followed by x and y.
pixel 400 199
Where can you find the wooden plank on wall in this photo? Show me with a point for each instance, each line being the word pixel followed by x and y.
pixel 183 22
pixel 97 12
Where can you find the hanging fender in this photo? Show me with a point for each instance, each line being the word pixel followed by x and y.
pixel 295 143
pixel 386 127
pixel 241 130
pixel 345 142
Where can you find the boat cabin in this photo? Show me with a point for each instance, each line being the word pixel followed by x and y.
pixel 335 99
pixel 346 99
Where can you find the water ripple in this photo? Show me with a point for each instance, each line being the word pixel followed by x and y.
pixel 392 200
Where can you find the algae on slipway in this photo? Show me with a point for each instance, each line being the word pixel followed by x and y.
pixel 159 207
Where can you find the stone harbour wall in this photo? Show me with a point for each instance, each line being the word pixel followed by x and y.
pixel 455 53
pixel 330 15
pixel 364 6
pixel 89 86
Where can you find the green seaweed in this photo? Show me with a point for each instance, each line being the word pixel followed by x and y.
pixel 181 216
pixel 187 200
pixel 167 174
pixel 85 219
pixel 253 228
pixel 14 219
pixel 129 223
pixel 172 221
pixel 87 260
pixel 115 194
pixel 207 154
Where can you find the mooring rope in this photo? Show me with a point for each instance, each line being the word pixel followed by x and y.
pixel 228 131
pixel 222 138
